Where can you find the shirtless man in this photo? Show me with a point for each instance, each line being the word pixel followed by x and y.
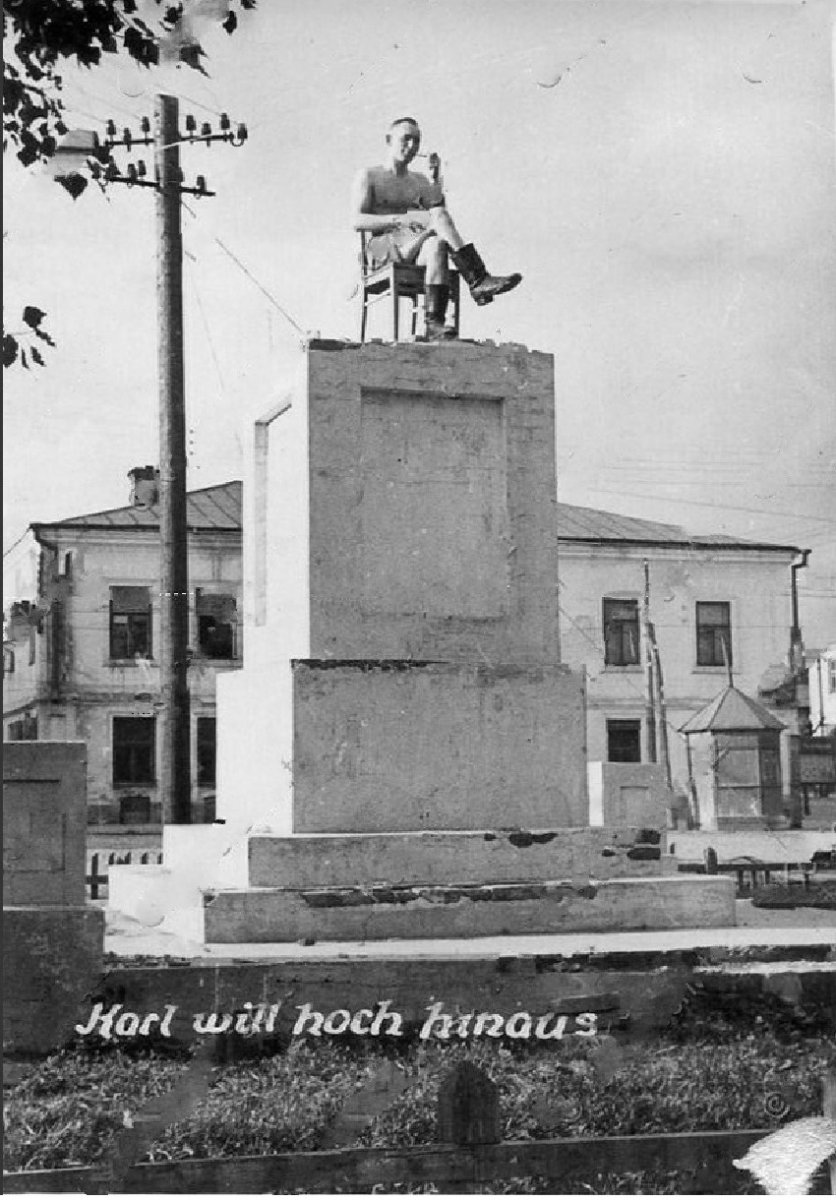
pixel 404 214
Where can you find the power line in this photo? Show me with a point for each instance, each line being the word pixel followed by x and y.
pixel 709 504
pixel 265 291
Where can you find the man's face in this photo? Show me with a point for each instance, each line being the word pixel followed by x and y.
pixel 404 140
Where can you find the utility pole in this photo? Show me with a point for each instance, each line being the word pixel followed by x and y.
pixel 655 669
pixel 175 758
pixel 175 742
pixel 650 702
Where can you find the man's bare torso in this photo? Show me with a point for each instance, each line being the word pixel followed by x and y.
pixel 385 192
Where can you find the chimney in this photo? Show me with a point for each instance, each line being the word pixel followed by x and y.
pixel 145 486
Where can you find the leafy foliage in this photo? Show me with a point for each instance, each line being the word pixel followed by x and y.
pixel 20 344
pixel 42 36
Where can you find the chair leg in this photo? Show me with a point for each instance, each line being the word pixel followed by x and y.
pixel 364 312
pixel 396 302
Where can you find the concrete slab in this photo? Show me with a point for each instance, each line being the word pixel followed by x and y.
pixel 498 856
pixel 274 914
pixel 127 938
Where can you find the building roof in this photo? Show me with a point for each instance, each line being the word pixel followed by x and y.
pixel 219 508
pixel 731 711
pixel 211 508
pixel 577 524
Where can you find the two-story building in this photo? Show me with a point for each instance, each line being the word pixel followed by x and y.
pixel 81 636
pixel 713 605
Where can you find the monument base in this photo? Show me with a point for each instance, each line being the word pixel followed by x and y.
pixel 467 910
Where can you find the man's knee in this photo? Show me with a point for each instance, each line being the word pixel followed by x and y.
pixel 434 252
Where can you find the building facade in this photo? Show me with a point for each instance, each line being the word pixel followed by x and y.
pixel 712 605
pixel 81 635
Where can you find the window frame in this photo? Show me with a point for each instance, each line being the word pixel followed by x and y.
pixel 202 594
pixel 146 614
pixel 715 629
pixel 626 724
pixel 132 779
pixel 200 779
pixel 624 657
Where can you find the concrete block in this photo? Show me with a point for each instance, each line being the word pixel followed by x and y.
pixel 44 822
pixel 276 915
pixel 398 746
pixel 401 506
pixel 628 794
pixel 52 962
pixel 500 856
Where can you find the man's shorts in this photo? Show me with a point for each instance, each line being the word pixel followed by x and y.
pixel 384 248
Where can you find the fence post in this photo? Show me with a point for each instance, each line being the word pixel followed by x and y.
pixel 468 1115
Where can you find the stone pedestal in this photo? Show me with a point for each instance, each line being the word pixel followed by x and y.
pixel 403 754
pixel 53 942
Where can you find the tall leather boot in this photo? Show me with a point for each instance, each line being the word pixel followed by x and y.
pixel 435 310
pixel 483 287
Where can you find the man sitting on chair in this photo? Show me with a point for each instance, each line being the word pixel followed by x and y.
pixel 404 214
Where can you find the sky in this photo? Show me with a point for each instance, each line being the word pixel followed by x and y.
pixel 662 174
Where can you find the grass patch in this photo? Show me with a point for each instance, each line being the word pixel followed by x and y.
pixel 746 1065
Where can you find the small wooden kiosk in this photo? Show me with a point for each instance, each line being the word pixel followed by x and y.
pixel 734 755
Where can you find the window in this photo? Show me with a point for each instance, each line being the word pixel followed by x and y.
pixel 621 632
pixel 216 622
pixel 831 674
pixel 134 744
pixel 713 634
pixel 624 741
pixel 130 622
pixel 8 661
pixel 206 751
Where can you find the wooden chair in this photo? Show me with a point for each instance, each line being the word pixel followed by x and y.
pixel 399 280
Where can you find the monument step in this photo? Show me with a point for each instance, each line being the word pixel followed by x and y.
pixel 447 857
pixel 467 910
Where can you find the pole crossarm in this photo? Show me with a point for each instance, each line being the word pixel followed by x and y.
pixel 103 169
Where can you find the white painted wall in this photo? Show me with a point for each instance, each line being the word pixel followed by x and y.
pixel 821 677
pixel 755 583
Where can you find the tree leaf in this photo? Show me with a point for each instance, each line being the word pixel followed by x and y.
pixel 23 359
pixel 37 356
pixel 10 349
pixel 33 316
pixel 73 183
pixel 231 22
